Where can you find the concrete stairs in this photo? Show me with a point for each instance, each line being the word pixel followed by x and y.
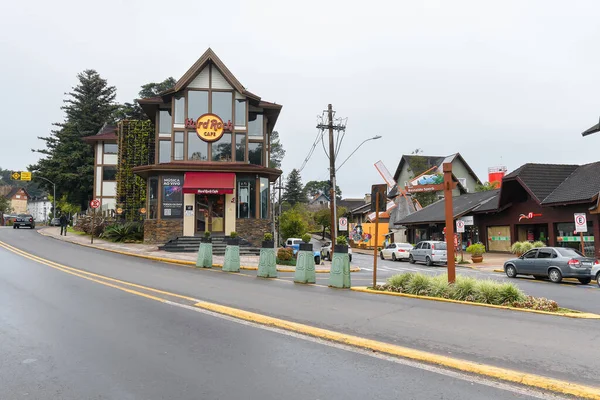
pixel 190 244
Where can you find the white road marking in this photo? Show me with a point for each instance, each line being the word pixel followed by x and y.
pixel 473 379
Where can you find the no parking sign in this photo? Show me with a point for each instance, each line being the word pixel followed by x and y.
pixel 580 223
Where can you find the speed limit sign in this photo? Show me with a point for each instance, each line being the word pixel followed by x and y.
pixel 580 222
pixel 95 203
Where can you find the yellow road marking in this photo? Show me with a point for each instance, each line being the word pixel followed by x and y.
pixel 556 385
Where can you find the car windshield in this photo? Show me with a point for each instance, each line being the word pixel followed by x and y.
pixel 566 252
pixel 440 246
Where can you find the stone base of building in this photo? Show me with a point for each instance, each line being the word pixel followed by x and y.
pixel 162 230
pixel 252 229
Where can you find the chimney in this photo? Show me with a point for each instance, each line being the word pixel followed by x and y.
pixel 368 198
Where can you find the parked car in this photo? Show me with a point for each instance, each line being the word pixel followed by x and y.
pixel 55 222
pixel 294 244
pixel 429 251
pixel 326 252
pixel 596 273
pixel 396 251
pixel 555 263
pixel 24 220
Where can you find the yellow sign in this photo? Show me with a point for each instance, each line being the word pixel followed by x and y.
pixel 15 176
pixel 209 127
pixel 25 176
pixel 142 211
pixel 119 211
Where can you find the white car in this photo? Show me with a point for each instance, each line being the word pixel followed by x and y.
pixel 326 252
pixel 396 251
pixel 596 273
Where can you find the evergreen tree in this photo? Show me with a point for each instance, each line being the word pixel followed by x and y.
pixel 69 161
pixel 294 192
pixel 277 151
pixel 312 188
pixel 133 110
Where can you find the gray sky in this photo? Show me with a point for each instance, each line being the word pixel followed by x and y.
pixel 501 82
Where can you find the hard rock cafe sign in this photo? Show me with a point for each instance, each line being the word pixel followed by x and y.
pixel 209 127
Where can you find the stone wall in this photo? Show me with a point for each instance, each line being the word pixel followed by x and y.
pixel 162 230
pixel 253 229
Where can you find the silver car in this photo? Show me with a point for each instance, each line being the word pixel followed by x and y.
pixel 430 252
pixel 555 263
pixel 596 272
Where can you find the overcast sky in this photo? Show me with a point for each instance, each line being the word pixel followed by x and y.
pixel 501 82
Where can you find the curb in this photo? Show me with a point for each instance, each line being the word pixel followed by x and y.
pixel 573 280
pixel 181 262
pixel 502 374
pixel 580 315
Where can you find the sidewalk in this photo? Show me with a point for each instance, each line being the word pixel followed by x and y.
pixel 153 253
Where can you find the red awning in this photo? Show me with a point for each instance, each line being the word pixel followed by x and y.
pixel 209 182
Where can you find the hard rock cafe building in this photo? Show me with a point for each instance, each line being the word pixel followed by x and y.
pixel 211 171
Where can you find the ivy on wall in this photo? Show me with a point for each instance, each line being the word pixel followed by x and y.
pixel 136 148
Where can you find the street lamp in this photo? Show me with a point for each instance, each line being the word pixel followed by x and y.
pixel 347 158
pixel 53 197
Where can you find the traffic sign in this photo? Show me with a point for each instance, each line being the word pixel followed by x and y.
pixel 25 176
pixel 343 224
pixel 580 222
pixel 460 226
pixel 95 203
pixel 15 176
pixel 119 211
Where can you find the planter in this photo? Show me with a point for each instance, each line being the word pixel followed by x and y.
pixel 476 259
pixel 206 240
pixel 340 248
pixel 233 241
pixel 306 247
pixel 268 244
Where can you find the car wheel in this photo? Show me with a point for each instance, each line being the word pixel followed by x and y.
pixel 584 281
pixel 393 257
pixel 381 255
pixel 411 259
pixel 555 275
pixel 14 227
pixel 428 261
pixel 317 260
pixel 511 271
pixel 598 279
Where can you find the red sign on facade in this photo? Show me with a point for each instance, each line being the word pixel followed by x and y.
pixel 528 216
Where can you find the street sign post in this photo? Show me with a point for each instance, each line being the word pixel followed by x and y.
pixel 343 224
pixel 581 228
pixel 95 203
pixel 448 185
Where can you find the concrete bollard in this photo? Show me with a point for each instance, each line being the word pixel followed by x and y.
pixel 267 264
pixel 232 256
pixel 205 259
pixel 305 267
pixel 339 275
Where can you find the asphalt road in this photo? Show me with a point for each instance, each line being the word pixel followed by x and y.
pixel 63 337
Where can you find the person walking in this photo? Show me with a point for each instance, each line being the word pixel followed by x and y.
pixel 64 221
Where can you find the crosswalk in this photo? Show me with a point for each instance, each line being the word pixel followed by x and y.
pixel 389 269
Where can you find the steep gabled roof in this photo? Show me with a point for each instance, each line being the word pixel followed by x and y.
pixel 581 186
pixel 350 204
pixel 593 129
pixel 541 179
pixel 432 161
pixel 108 132
pixel 14 191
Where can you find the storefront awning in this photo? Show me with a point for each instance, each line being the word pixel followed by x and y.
pixel 209 182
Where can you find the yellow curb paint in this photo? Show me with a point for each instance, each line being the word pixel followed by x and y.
pixel 504 374
pixel 580 315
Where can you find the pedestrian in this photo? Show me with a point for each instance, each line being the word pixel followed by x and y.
pixel 64 221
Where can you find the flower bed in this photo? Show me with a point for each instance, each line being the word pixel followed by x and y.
pixel 468 289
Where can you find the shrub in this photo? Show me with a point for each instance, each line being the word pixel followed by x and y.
pixel 306 238
pixel 538 244
pixel 420 284
pixel 207 235
pixel 285 254
pixel 476 249
pixel 533 303
pixel 233 235
pixel 440 286
pixel 341 240
pixel 526 246
pixel 400 281
pixel 517 248
pixel 127 232
pixel 464 288
pixel 509 293
pixel 268 237
pixel 487 292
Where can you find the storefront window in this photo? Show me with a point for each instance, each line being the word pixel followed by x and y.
pixel 178 150
pixel 255 151
pixel 165 121
pixel 222 105
pixel 255 125
pixel 153 198
pixel 566 237
pixel 240 113
pixel 197 103
pixel 264 198
pixel 246 193
pixel 164 151
pixel 179 110
pixel 197 148
pixel 221 149
pixel 109 173
pixel 240 147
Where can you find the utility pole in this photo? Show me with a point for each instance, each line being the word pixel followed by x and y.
pixel 332 176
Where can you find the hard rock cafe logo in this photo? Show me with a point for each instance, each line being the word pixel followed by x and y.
pixel 209 127
pixel 528 216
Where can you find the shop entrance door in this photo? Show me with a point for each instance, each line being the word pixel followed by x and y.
pixel 210 214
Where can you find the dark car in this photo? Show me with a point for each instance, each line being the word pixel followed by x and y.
pixel 24 220
pixel 555 263
pixel 55 222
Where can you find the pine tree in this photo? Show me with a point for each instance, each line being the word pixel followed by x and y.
pixel 294 191
pixel 69 161
pixel 133 110
pixel 277 151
